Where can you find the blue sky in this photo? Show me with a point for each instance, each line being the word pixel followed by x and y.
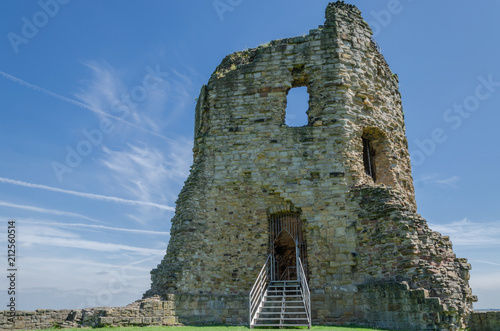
pixel 97 113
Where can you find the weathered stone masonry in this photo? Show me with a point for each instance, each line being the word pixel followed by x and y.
pixel 371 259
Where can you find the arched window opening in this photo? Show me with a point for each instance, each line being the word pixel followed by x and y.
pixel 369 158
pixel 297 104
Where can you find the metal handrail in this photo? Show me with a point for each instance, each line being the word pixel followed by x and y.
pixel 259 289
pixel 306 294
pixel 287 270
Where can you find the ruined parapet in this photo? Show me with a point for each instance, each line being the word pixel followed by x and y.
pixel 345 175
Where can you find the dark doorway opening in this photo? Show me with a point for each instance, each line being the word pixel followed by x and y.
pixel 285 256
pixel 287 245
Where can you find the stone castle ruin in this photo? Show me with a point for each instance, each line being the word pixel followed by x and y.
pixel 334 197
pixel 317 224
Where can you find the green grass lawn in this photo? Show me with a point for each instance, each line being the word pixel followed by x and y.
pixel 215 328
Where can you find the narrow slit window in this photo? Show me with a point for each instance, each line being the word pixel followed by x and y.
pixel 369 158
pixel 297 104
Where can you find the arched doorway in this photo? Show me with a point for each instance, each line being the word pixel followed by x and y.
pixel 287 244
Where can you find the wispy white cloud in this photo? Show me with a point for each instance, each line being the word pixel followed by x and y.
pixel 56 239
pixel 439 180
pixel 154 107
pixel 48 232
pixel 86 195
pixel 78 104
pixel 46 211
pixel 181 93
pixel 145 172
pixel 469 233
pixel 100 267
pixel 99 227
pixel 451 181
pixel 487 262
pixel 149 173
pixel 105 90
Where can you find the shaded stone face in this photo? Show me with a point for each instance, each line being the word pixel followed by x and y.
pixel 346 174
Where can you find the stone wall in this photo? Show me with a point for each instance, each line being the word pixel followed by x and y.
pixel 360 229
pixel 393 302
pixel 174 311
pixel 395 244
pixel 394 306
pixel 485 321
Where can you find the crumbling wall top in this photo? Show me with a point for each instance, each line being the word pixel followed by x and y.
pixel 343 5
pixel 340 7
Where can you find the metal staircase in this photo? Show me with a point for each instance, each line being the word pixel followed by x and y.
pixel 280 303
pixel 283 305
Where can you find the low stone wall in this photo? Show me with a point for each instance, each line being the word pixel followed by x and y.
pixel 175 310
pixel 398 308
pixel 485 321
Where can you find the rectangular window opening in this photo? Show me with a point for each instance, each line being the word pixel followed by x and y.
pixel 297 104
pixel 369 158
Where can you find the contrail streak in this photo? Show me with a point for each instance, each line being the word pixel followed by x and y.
pixel 103 227
pixel 87 195
pixel 46 211
pixel 77 103
pixel 89 245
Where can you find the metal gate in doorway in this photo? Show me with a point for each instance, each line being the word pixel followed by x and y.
pixel 287 245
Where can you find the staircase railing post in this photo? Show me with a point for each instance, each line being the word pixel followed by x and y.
pixel 258 291
pixel 297 259
pixel 306 294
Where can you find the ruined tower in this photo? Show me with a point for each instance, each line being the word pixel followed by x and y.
pixel 336 193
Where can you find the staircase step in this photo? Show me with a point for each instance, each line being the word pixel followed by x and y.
pixel 288 307
pixel 270 321
pixel 285 284
pixel 301 311
pixel 285 291
pixel 280 319
pixel 283 313
pixel 290 301
pixel 281 325
pixel 282 306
